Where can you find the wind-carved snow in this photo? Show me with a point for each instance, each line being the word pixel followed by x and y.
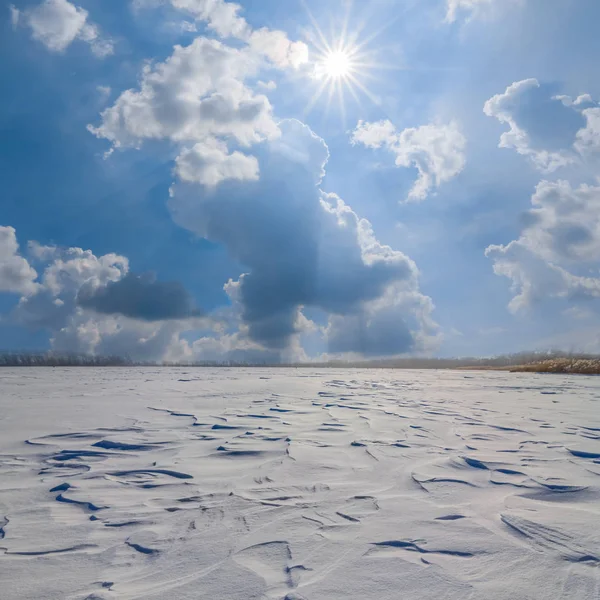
pixel 298 484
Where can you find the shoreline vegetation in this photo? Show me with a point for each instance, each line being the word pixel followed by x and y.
pixel 524 362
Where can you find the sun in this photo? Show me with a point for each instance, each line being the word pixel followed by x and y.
pixel 337 64
pixel 334 64
pixel 341 64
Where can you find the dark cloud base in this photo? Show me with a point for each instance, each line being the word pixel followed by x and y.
pixel 140 297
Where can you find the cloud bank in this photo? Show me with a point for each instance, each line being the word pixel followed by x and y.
pixel 94 304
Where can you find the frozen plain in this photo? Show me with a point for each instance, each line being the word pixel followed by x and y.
pixel 315 484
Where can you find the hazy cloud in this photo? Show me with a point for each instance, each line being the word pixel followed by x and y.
pixel 469 8
pixel 58 23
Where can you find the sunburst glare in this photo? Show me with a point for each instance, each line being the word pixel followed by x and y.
pixel 336 64
pixel 341 65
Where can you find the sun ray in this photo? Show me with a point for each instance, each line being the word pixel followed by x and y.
pixel 323 39
pixel 353 93
pixel 342 103
pixel 341 64
pixel 365 90
pixel 315 98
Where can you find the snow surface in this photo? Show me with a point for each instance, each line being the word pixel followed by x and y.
pixel 314 484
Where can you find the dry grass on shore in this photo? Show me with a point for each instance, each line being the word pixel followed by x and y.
pixel 581 366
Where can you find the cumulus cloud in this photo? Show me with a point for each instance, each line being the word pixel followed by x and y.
pixel 16 274
pixel 58 23
pixel 203 97
pixel 552 130
pixel 304 248
pixel 436 151
pixel 210 163
pixel 558 250
pixel 140 297
pixel 225 20
pixel 65 272
pixel 564 223
pixel 196 94
pixel 559 245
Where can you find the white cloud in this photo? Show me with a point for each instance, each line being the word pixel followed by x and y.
pixel 558 247
pixel 201 97
pixel 236 347
pixel 209 163
pixel 223 17
pixel 436 151
pixel 58 23
pixel 588 138
pixel 119 336
pixel 196 94
pixel 16 274
pixel 71 268
pixel 276 46
pixel 267 85
pixel 225 20
pixel 553 131
pixel 564 222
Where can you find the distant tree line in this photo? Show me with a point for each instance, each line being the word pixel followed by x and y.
pixel 51 359
pixel 55 359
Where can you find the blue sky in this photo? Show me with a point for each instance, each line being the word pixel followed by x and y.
pixel 176 188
